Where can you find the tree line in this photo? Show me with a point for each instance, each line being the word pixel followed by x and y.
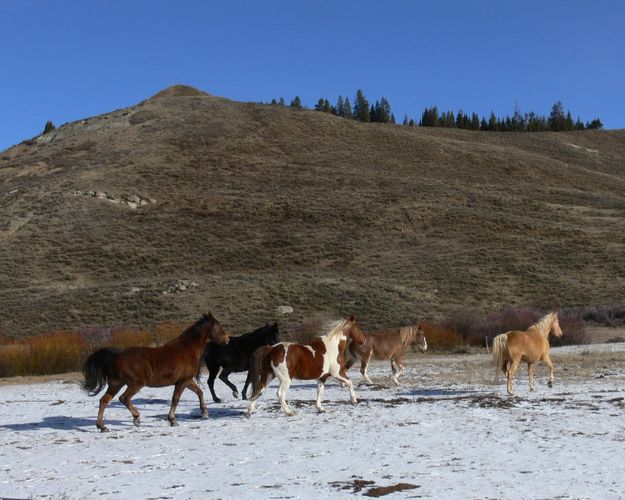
pixel 380 112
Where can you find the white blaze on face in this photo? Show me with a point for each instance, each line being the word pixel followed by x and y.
pixel 310 349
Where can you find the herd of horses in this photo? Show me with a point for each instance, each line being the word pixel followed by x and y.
pixel 264 357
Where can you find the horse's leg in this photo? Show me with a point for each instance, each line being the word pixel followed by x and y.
pixel 180 386
pixel 530 374
pixel 126 397
pixel 364 366
pixel 265 379
pixel 395 370
pixel 285 383
pixel 223 376
pixel 213 370
pixel 547 360
pixel 341 375
pixel 245 386
pixel 320 387
pixel 200 394
pixel 113 388
pixel 399 367
pixel 514 366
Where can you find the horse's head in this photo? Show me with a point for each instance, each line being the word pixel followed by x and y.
pixel 555 326
pixel 353 331
pixel 274 333
pixel 216 333
pixel 419 339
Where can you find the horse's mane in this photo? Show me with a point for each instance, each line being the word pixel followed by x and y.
pixel 543 324
pixel 334 328
pixel 408 334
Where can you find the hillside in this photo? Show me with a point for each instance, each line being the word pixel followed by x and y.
pixel 257 206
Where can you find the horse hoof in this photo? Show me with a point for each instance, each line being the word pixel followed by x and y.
pixel 173 423
pixel 204 415
pixel 244 397
pixel 216 400
pixel 235 395
pixel 321 410
pixel 290 414
pixel 104 428
pixel 550 384
pixel 136 421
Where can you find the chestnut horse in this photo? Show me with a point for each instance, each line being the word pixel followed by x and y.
pixel 387 344
pixel 174 363
pixel 531 345
pixel 320 359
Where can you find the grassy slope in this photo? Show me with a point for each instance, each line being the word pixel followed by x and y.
pixel 264 206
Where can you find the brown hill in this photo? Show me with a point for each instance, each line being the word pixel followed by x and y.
pixel 261 206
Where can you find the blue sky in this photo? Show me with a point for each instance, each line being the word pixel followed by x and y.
pixel 65 60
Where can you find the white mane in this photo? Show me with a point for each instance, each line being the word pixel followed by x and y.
pixel 334 329
pixel 543 325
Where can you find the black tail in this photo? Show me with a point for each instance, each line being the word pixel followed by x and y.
pixel 256 365
pixel 94 370
pixel 203 358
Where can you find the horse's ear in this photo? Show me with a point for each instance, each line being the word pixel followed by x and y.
pixel 275 325
pixel 352 319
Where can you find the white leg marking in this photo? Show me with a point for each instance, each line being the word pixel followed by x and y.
pixel 320 387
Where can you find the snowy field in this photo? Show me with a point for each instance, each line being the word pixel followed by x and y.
pixel 448 432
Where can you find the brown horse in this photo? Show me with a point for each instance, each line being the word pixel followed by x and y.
pixel 531 345
pixel 387 344
pixel 322 358
pixel 174 363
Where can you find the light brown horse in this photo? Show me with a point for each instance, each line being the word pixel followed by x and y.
pixel 387 344
pixel 530 346
pixel 174 363
pixel 320 359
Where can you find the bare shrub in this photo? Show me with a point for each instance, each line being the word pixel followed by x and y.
pixel 124 337
pixel 166 331
pixel 573 329
pixel 605 315
pixel 440 338
pixel 56 352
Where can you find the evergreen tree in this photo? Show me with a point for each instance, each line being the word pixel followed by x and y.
pixel 393 121
pixel 340 107
pixel 475 122
pixel 556 120
pixel 49 127
pixel 492 122
pixel 411 123
pixel 430 118
pixel 361 107
pixel 281 102
pixel 405 120
pixel 347 109
pixel 274 102
pixel 594 125
pixel 296 102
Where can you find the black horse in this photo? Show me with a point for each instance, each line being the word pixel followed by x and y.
pixel 235 357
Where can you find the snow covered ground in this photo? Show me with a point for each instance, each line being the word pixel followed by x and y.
pixel 447 432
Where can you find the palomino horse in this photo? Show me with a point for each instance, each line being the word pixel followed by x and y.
pixel 388 344
pixel 532 345
pixel 235 357
pixel 322 358
pixel 174 363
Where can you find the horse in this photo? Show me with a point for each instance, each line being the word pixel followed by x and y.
pixel 387 344
pixel 320 359
pixel 531 345
pixel 235 357
pixel 174 363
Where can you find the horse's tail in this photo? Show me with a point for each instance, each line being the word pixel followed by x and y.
pixel 500 352
pixel 94 370
pixel 256 365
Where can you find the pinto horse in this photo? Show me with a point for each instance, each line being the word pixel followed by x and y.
pixel 235 357
pixel 531 345
pixel 320 359
pixel 174 363
pixel 387 344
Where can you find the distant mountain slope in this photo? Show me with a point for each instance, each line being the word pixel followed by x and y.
pixel 256 206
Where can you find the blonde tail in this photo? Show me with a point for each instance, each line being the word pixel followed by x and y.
pixel 500 353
